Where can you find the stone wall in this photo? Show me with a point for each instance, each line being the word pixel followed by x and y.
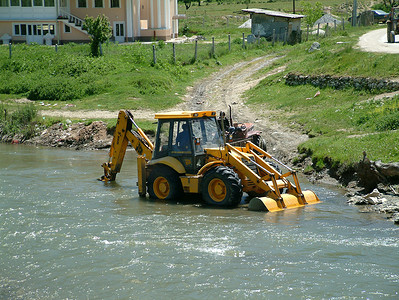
pixel 341 82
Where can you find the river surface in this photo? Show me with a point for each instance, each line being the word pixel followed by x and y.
pixel 66 235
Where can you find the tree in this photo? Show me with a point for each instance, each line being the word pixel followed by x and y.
pixel 99 30
pixel 312 12
pixel 386 5
pixel 187 3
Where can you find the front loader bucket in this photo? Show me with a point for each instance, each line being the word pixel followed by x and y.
pixel 264 204
pixel 310 197
pixel 291 201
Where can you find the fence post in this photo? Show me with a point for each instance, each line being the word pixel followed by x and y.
pixel 243 40
pixel 285 36
pixel 274 37
pixel 335 25
pixel 326 33
pixel 10 49
pixel 227 22
pixel 318 29
pixel 213 46
pixel 195 50
pixel 229 42
pixel 343 24
pixel 154 58
pixel 174 53
pixel 56 48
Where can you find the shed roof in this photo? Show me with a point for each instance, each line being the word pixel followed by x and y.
pixel 272 13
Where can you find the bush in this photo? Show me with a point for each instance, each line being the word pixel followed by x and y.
pixel 153 85
pixel 388 122
pixel 55 89
pixel 19 121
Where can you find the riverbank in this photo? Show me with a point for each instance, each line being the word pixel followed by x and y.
pixel 96 136
pixel 229 87
pixel 218 92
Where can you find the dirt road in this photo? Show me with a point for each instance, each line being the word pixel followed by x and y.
pixel 376 41
pixel 227 87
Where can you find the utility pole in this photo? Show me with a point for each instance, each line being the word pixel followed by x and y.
pixel 293 6
pixel 354 16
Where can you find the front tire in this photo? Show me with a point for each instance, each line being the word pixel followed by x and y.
pixel 164 183
pixel 221 187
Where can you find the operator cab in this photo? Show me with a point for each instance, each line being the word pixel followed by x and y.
pixel 185 135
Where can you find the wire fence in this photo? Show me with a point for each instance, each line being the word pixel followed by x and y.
pixel 201 48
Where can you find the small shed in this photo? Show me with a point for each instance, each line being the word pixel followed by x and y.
pixel 284 25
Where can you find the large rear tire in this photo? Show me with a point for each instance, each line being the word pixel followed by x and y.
pixel 221 187
pixel 260 142
pixel 164 183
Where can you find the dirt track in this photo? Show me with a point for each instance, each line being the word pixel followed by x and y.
pixel 227 87
pixel 376 41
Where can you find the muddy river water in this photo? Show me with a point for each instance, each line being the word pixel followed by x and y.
pixel 65 235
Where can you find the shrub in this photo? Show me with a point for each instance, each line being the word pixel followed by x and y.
pixel 388 122
pixel 19 121
pixel 55 89
pixel 152 85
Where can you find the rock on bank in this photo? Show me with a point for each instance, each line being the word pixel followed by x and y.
pixel 78 136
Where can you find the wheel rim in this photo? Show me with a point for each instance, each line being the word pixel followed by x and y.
pixel 161 187
pixel 217 190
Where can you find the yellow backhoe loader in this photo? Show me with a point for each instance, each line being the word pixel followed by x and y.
pixel 191 156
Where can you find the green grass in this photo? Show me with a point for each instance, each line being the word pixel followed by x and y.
pixel 342 123
pixel 17 119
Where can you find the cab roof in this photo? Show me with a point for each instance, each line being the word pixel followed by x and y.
pixel 185 114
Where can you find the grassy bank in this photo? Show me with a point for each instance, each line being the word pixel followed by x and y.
pixel 342 123
pixel 125 76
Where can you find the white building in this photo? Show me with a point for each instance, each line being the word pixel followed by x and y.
pixel 61 20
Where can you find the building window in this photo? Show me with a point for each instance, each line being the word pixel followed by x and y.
pixel 23 29
pixel 16 30
pixel 3 3
pixel 26 3
pixel 114 3
pixel 38 2
pixel 98 3
pixel 67 29
pixel 82 3
pixel 15 3
pixel 49 3
pixel 34 29
pixel 45 29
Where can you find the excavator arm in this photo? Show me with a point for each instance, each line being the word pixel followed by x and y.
pixel 124 133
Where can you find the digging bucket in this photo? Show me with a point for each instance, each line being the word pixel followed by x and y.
pixel 291 201
pixel 265 204
pixel 310 197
